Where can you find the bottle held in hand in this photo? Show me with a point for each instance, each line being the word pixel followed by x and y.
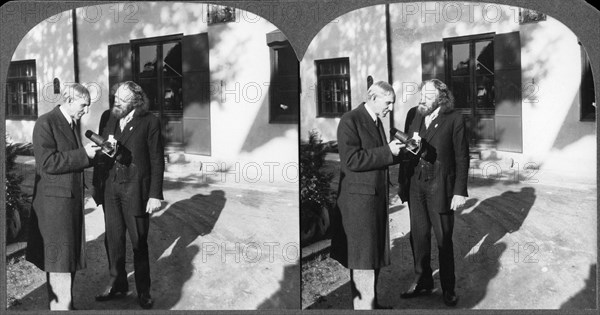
pixel 413 145
pixel 109 147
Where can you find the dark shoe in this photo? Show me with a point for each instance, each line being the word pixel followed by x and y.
pixel 145 300
pixel 415 290
pixel 110 294
pixel 450 298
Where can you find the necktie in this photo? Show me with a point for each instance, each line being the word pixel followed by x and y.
pixel 75 133
pixel 380 130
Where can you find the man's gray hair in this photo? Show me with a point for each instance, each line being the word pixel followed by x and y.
pixel 73 91
pixel 380 88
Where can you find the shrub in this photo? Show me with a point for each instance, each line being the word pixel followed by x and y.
pixel 315 191
pixel 14 197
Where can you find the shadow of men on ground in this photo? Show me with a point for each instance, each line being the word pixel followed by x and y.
pixel 288 295
pixel 172 244
pixel 476 238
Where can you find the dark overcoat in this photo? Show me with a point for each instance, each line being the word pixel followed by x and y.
pixel 445 146
pixel 57 230
pixel 141 161
pixel 360 237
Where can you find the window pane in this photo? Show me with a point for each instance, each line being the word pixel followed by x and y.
pixel 485 91
pixel 484 51
pixel 460 89
pixel 147 61
pixel 172 59
pixel 172 95
pixel 27 110
pixel 13 71
pixel 150 86
pixel 460 59
pixel 333 87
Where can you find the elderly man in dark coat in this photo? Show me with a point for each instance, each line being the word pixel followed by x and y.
pixel 361 240
pixel 56 236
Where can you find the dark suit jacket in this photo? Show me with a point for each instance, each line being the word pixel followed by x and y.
pixel 405 156
pixel 361 230
pixel 139 161
pixel 56 236
pixel 445 148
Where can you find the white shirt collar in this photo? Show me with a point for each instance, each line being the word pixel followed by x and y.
pixel 129 116
pixel 435 113
pixel 371 113
pixel 67 116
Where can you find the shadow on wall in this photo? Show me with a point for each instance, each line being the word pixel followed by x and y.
pixel 572 130
pixel 365 59
pixel 262 131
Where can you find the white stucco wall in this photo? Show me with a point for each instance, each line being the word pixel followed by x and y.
pixel 50 44
pixel 553 137
pixel 239 62
pixel 359 35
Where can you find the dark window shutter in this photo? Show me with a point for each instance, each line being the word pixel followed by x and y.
pixel 432 61
pixel 507 84
pixel 196 94
pixel 119 64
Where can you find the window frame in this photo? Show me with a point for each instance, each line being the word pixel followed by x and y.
pixel 587 112
pixel 159 40
pixel 16 80
pixel 274 48
pixel 320 78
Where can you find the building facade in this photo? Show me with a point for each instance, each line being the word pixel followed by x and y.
pixel 521 79
pixel 211 73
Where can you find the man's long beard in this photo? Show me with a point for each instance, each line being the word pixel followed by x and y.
pixel 120 112
pixel 424 110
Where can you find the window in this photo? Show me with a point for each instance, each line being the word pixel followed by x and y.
pixel 588 99
pixel 284 97
pixel 21 90
pixel 157 69
pixel 175 74
pixel 333 87
pixel 470 71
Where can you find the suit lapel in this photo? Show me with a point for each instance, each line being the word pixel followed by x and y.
pixel 130 128
pixel 369 124
pixel 435 125
pixel 64 127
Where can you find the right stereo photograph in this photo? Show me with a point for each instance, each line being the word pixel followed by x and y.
pixel 448 161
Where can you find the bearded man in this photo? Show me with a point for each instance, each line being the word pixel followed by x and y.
pixel 438 186
pixel 129 185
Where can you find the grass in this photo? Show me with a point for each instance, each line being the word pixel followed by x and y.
pixel 320 276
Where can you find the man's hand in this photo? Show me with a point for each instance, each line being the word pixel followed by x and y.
pixel 152 205
pixel 395 146
pixel 457 202
pixel 91 149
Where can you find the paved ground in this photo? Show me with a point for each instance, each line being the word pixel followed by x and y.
pixel 217 244
pixel 518 245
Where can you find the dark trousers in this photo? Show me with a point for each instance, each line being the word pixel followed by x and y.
pixel 425 215
pixel 117 201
